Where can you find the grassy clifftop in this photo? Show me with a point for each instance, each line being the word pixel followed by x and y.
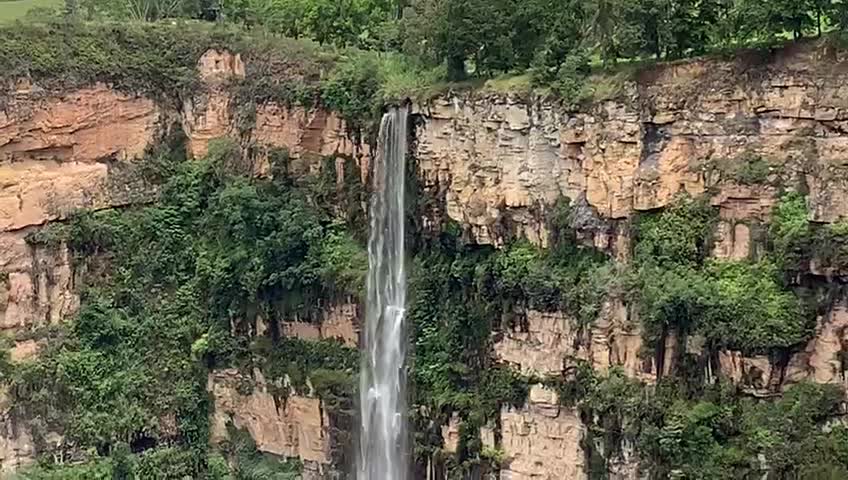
pixel 159 60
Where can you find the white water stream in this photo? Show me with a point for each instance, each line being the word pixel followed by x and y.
pixel 383 429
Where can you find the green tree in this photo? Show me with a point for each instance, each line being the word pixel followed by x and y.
pixel 614 28
pixel 139 10
pixel 493 35
pixel 444 31
pixel 556 34
pixel 837 12
pixel 684 26
pixel 775 17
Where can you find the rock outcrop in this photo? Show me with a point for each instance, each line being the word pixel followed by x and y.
pixel 548 343
pixel 336 322
pixel 65 151
pixel 499 161
pixel 62 152
pixel 739 131
pixel 542 441
pixel 293 426
pixel 59 154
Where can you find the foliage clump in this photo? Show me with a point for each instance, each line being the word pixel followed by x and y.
pixel 569 277
pixel 710 432
pixel 459 295
pixel 173 289
pixel 797 243
pixel 155 59
pixel 733 304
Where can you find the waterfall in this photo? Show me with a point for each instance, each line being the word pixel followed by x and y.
pixel 382 390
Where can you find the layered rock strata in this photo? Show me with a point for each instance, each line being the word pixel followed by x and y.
pixel 494 163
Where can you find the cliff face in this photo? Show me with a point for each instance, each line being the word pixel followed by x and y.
pixel 496 164
pixel 62 152
pixel 498 161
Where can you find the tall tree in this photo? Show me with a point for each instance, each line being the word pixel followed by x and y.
pixel 837 11
pixel 776 17
pixel 559 35
pixel 613 28
pixel 450 31
pixel 684 26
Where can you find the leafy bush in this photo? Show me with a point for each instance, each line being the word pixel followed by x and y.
pixel 795 241
pixel 571 77
pixel 752 170
pixel 404 78
pixel 830 245
pixel 170 289
pixel 344 263
pixel 789 231
pixel 352 88
pixel 101 470
pixel 679 235
pixel 569 277
pixel 166 463
pixel 738 305
pixel 298 360
pixel 153 59
pixel 753 312
pixel 710 434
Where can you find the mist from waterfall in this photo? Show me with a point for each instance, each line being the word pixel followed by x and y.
pixel 383 433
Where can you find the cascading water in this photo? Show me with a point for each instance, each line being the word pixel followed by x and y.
pixel 383 435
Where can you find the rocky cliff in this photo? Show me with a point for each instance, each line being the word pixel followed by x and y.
pixel 62 152
pixel 496 164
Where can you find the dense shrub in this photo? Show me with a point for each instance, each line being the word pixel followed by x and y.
pixel 171 287
pixel 738 305
pixel 712 434
pixel 789 231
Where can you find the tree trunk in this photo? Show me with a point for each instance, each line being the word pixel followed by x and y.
pixel 456 68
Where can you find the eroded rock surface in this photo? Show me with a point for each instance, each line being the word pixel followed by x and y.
pixel 496 164
pixel 549 343
pixel 87 125
pixel 337 322
pixel 295 426
pixel 59 154
pixel 542 440
pixel 499 162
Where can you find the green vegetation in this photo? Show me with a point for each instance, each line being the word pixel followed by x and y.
pixel 174 289
pixel 569 278
pixel 249 463
pixel 238 459
pixel 451 318
pixel 711 432
pixel 747 168
pixel 330 366
pixel 831 245
pixel 796 241
pixel 737 305
pixel 458 296
pixel 364 53
pixel 171 291
pixel 691 426
pixel 504 34
pixel 160 59
pixel 11 10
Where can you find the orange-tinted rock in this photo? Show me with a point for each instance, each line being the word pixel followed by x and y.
pixel 336 322
pixel 543 440
pixel 82 126
pixel 292 427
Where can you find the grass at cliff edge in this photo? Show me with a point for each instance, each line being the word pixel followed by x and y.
pixel 18 9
